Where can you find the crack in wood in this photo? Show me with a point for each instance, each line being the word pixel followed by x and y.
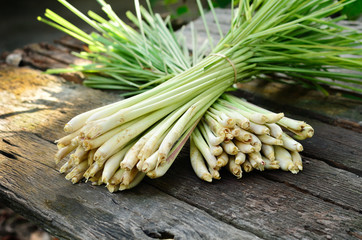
pixel 9 143
pixel 42 138
pixel 158 234
pixel 271 178
pixel 7 115
pixel 8 155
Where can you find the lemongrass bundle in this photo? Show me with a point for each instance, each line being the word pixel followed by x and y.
pixel 120 143
pixel 260 142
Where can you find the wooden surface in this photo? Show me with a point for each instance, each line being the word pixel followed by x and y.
pixel 321 202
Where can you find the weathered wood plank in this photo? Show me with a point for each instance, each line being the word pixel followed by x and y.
pixel 269 209
pixel 319 179
pixel 30 184
pixel 33 110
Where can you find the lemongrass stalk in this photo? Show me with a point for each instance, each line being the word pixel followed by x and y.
pixel 247 167
pixel 234 168
pixel 250 115
pixel 136 180
pixel 254 164
pixel 77 141
pixel 78 121
pixel 61 153
pixel 266 139
pixel 292 124
pixel 163 167
pixel 228 135
pixel 152 144
pixel 243 136
pixel 270 165
pixel 241 120
pixel 307 132
pixel 96 179
pixel 66 166
pixel 215 127
pixel 139 164
pixel 112 165
pixel 213 140
pixel 297 159
pixel 275 130
pixel 259 129
pixel 230 148
pixel 76 178
pixel 290 144
pixel 131 157
pixel 92 170
pixel 66 140
pixel 240 158
pixel 117 177
pixel 176 131
pixel 122 138
pixel 203 148
pixel 268 151
pixel 222 159
pixel 267 116
pixel 80 168
pixel 79 155
pixel 255 142
pixel 112 188
pixel 216 150
pixel 150 163
pixel 256 156
pixel 214 173
pixel 223 118
pixel 285 159
pixel 89 144
pixel 198 163
pixel 244 147
pixel 235 131
pixel 91 156
pixel 128 176
pixel 273 117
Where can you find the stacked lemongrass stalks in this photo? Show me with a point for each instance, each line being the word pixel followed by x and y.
pixel 241 137
pixel 119 143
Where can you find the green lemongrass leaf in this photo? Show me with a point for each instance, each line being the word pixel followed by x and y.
pixel 67 31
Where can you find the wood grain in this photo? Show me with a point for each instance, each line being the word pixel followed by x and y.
pixel 30 183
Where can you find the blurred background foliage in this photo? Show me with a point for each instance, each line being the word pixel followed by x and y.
pixel 178 8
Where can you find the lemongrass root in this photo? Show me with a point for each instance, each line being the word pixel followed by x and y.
pixel 268 151
pixel 240 158
pixel 247 167
pixel 230 148
pixel 266 139
pixel 297 160
pixel 290 144
pixel 285 159
pixel 222 159
pixel 198 163
pixel 244 147
pixel 234 168
pixel 136 180
pixel 128 176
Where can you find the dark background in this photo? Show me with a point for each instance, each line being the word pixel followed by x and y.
pixel 19 25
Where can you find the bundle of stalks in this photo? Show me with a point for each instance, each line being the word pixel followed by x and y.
pixel 120 143
pixel 241 136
